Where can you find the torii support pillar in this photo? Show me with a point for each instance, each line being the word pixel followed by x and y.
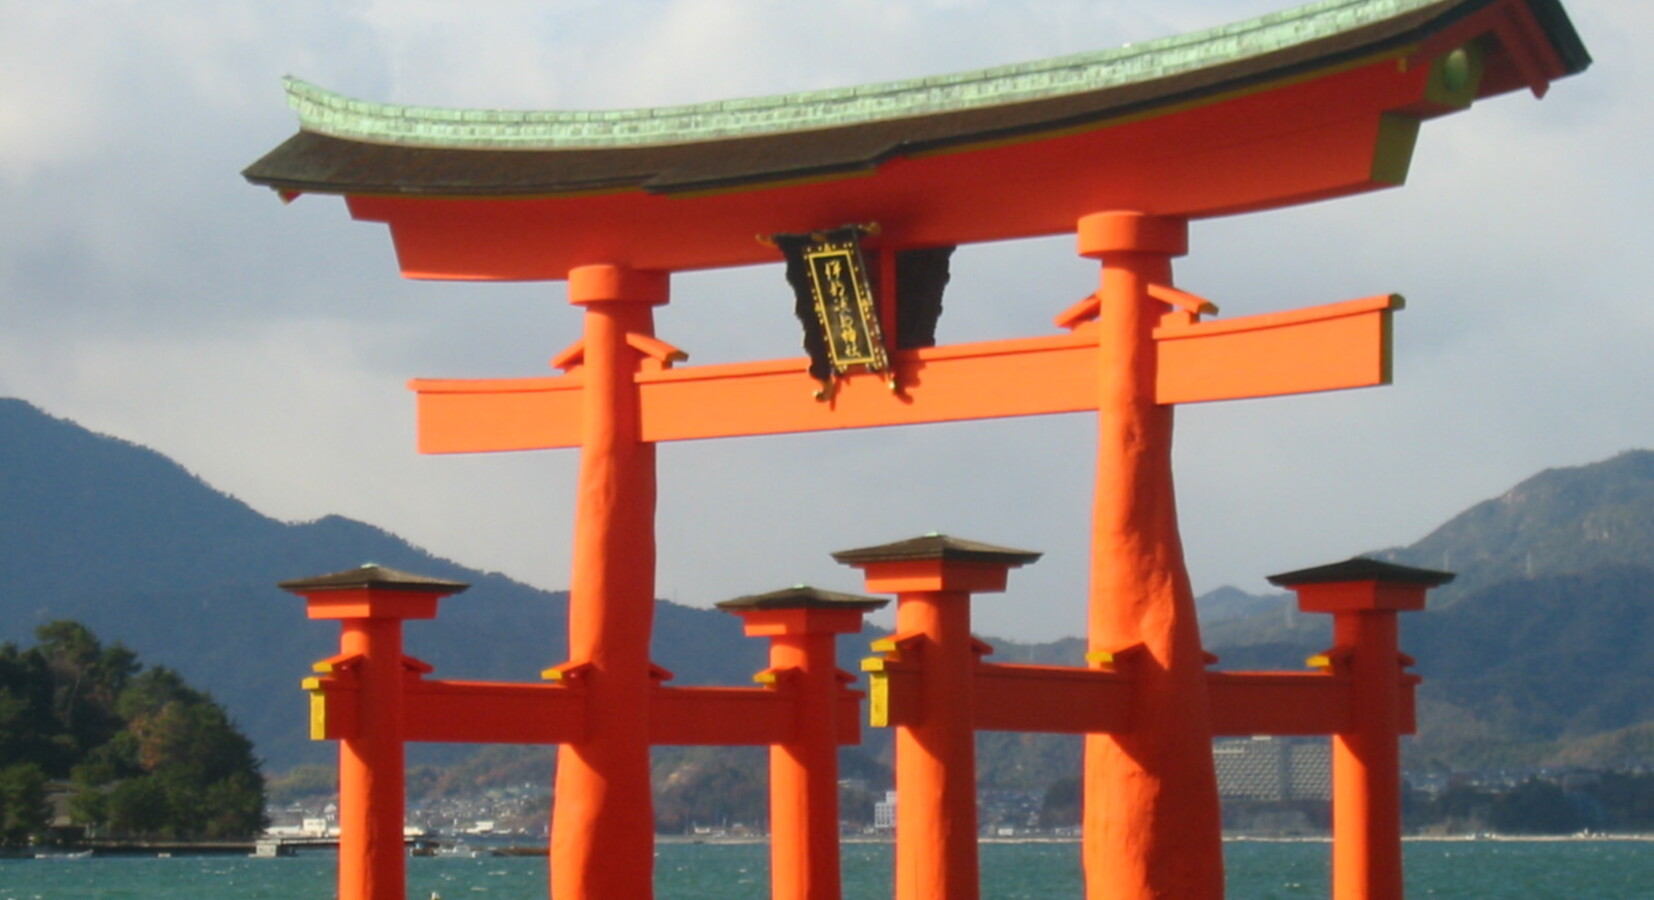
pixel 602 826
pixel 933 578
pixel 802 624
pixel 1152 826
pixel 370 603
pixel 1364 596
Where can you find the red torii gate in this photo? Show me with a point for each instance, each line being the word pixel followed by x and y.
pixel 1122 149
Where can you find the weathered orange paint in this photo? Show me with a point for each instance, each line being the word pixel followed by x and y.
pixel 1366 757
pixel 1366 763
pixel 936 824
pixel 932 576
pixel 454 711
pixel 1321 348
pixel 804 842
pixel 1050 699
pixel 935 757
pixel 1332 347
pixel 1151 822
pixel 1067 700
pixel 720 716
pixel 370 603
pixel 602 841
pixel 1279 703
pixel 372 798
pixel 1351 596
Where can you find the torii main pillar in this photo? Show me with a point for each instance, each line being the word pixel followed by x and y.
pixel 604 812
pixel 1152 823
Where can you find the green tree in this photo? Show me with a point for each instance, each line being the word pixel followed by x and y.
pixel 28 731
pixel 149 755
pixel 1062 804
pixel 1462 808
pixel 1535 807
pixel 205 767
pixel 1626 798
pixel 233 807
pixel 24 813
pixel 137 807
pixel 89 806
pixel 86 680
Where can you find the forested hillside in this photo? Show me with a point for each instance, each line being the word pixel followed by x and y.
pixel 148 755
pixel 111 534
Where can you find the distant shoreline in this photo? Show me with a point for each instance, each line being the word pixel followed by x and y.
pixel 106 849
pixel 1637 837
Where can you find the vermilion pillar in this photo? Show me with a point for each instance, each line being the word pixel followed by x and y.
pixel 802 624
pixel 370 604
pixel 1364 597
pixel 933 578
pixel 602 840
pixel 1152 823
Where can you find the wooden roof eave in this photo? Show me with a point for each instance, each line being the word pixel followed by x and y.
pixel 316 163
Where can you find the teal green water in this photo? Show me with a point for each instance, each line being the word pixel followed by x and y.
pixel 1483 870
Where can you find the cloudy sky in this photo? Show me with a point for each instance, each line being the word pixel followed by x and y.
pixel 147 292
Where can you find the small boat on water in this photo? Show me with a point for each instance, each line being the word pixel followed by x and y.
pixel 63 854
pixel 460 850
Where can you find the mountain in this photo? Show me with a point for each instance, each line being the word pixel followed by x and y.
pixel 1519 671
pixel 1541 652
pixel 1560 521
pixel 120 538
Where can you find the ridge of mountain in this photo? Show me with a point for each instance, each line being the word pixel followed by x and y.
pixel 1562 520
pixel 119 537
pixel 1540 652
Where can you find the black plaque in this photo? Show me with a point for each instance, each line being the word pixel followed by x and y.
pixel 835 303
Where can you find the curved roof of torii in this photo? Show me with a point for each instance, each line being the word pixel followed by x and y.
pixel 349 146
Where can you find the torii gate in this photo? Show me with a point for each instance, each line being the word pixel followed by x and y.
pixel 1121 148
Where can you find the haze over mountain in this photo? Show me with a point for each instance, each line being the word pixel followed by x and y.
pixel 121 538
pixel 1541 651
pixel 1561 521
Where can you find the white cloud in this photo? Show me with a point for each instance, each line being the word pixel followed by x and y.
pixel 50 95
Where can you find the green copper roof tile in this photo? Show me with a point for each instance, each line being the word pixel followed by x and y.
pixel 327 113
pixel 350 146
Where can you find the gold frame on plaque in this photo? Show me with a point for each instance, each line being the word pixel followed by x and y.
pixel 844 305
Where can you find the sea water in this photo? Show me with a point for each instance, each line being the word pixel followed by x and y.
pixel 1257 870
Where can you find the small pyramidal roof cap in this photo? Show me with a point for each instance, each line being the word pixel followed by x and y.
pixel 1362 568
pixel 937 546
pixel 802 596
pixel 369 575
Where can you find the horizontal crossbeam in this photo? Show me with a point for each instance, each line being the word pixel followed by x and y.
pixel 457 711
pixel 1067 700
pixel 1331 347
pixel 476 712
pixel 711 716
pixel 1051 699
